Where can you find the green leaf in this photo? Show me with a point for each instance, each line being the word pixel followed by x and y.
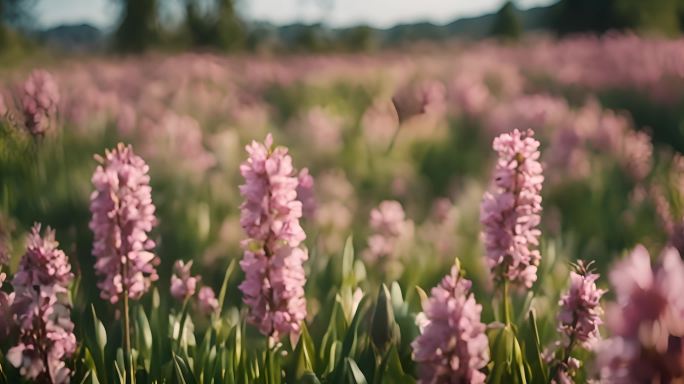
pixel 182 369
pixel 383 325
pixel 304 355
pixel 309 378
pixel 391 370
pixel 348 261
pixel 224 285
pixel 353 373
pixel 501 347
pixel 423 296
pixel 539 373
pixel 144 337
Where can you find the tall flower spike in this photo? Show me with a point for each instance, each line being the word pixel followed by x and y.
pixel 122 216
pixel 510 211
pixel 452 346
pixel 42 309
pixel 39 101
pixel 578 321
pixel 580 309
pixel 273 258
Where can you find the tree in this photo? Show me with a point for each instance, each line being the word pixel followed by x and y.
pixel 13 14
pixel 218 27
pixel 138 28
pixel 507 23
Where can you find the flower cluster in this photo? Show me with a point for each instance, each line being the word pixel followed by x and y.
pixel 510 211
pixel 273 258
pixel 388 223
pixel 122 215
pixel 206 300
pixel 580 309
pixel 578 321
pixel 452 346
pixel 41 309
pixel 183 284
pixel 305 193
pixel 5 310
pixel 39 101
pixel 647 321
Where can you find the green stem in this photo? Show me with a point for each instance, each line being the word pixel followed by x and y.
pixel 505 304
pixel 126 324
pixel 184 316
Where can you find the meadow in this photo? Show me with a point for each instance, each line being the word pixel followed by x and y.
pixel 267 219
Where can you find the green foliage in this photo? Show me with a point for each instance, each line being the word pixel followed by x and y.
pixel 139 28
pixel 507 23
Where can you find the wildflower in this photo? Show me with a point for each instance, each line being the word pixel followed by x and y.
pixel 39 102
pixel 580 309
pixel 305 193
pixel 274 275
pixel 510 210
pixel 427 97
pixel 388 223
pixel 42 310
pixel 206 300
pixel 5 309
pixel 452 346
pixel 647 320
pixel 183 284
pixel 578 321
pixel 122 216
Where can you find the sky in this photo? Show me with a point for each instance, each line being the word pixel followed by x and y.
pixel 336 13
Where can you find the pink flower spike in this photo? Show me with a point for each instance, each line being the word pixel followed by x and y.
pixel 273 259
pixel 452 346
pixel 122 216
pixel 41 308
pixel 510 211
pixel 39 102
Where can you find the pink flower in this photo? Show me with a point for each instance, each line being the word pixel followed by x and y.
pixel 452 346
pixel 206 301
pixel 580 309
pixel 122 216
pixel 427 97
pixel 510 210
pixel 647 321
pixel 6 300
pixel 183 284
pixel 42 309
pixel 305 193
pixel 39 101
pixel 388 224
pixel 273 260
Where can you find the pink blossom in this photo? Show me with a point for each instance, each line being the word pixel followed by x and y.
pixel 6 322
pixel 388 224
pixel 122 216
pixel 424 98
pixel 273 259
pixel 183 284
pixel 452 346
pixel 646 322
pixel 305 193
pixel 580 310
pixel 39 101
pixel 42 309
pixel 510 210
pixel 206 300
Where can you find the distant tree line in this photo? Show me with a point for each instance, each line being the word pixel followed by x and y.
pixel 217 25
